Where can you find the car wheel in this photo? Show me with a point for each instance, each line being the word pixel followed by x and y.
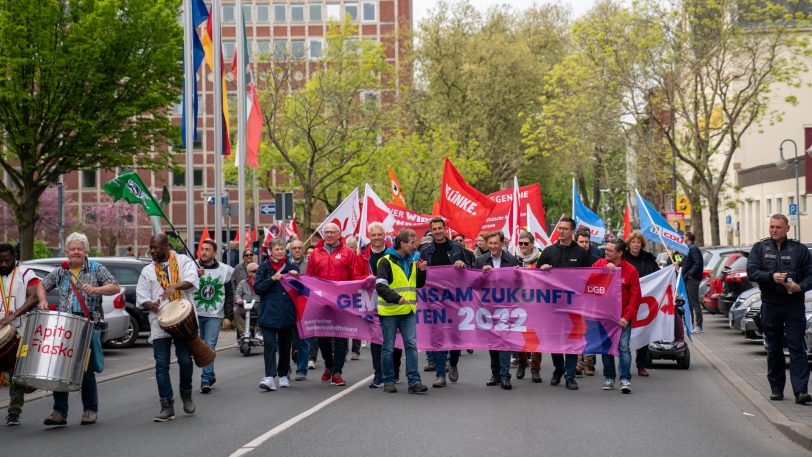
pixel 128 340
pixel 685 361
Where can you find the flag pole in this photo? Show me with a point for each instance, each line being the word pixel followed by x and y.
pixel 218 128
pixel 659 231
pixel 189 88
pixel 241 140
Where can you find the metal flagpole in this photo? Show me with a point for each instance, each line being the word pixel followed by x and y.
pixel 241 140
pixel 189 88
pixel 218 128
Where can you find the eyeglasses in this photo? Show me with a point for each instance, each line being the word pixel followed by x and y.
pixel 296 247
pixel 248 255
pixel 524 243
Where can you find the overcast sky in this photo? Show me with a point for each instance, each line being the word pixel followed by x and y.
pixel 578 7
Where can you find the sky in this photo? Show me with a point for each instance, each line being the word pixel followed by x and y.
pixel 578 7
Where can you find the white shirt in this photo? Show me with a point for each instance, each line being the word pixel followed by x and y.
pixel 210 297
pixel 497 261
pixel 149 289
pixel 14 291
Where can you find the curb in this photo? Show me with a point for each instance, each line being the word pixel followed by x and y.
pixel 109 377
pixel 798 432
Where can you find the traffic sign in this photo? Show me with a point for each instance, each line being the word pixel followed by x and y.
pixel 728 220
pixel 269 209
pixel 223 200
pixel 684 205
pixel 793 209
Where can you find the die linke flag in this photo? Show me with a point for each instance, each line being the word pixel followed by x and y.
pixel 397 193
pixel 208 47
pixel 374 210
pixel 585 217
pixel 655 228
pixel 464 207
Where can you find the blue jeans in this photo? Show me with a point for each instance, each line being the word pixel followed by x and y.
pixel 90 394
pixel 565 362
pixel 407 325
pixel 161 350
pixel 209 331
pixel 625 358
pixel 438 359
pixel 302 353
pixel 500 364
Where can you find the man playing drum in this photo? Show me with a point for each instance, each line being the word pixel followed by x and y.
pixel 170 277
pixel 18 287
pixel 215 304
pixel 81 286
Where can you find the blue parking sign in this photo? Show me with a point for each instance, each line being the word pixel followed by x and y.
pixel 793 209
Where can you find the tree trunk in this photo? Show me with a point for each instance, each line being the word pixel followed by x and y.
pixel 308 210
pixel 27 214
pixel 713 209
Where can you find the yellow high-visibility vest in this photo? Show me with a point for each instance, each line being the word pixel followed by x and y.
pixel 405 287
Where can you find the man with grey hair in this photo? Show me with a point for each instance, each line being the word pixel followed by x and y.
pixel 80 286
pixel 334 261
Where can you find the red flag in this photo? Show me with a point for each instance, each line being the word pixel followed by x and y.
pixel 464 207
pixel 291 228
pixel 529 194
pixel 203 236
pixel 405 218
pixel 554 234
pixel 435 209
pixel 627 223
pixel 374 210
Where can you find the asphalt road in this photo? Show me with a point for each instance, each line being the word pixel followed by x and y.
pixel 672 413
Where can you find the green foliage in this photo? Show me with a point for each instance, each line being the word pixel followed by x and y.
pixel 41 250
pixel 85 85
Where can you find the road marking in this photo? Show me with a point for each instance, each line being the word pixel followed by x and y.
pixel 260 440
pixel 748 414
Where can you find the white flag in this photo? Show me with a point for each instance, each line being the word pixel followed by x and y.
pixel 374 210
pixel 655 317
pixel 534 227
pixel 346 215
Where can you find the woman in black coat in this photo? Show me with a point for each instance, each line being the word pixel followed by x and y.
pixel 277 315
pixel 646 264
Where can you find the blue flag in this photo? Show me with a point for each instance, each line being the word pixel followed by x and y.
pixel 585 217
pixel 686 306
pixel 656 229
pixel 199 15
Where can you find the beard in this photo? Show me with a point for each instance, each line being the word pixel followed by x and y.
pixel 7 270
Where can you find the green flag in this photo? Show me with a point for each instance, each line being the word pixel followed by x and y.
pixel 130 188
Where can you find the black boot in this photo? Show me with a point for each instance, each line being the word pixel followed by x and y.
pixel 167 411
pixel 188 404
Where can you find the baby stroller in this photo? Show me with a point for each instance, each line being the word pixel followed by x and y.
pixel 252 336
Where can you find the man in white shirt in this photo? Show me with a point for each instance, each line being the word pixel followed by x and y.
pixel 170 277
pixel 215 304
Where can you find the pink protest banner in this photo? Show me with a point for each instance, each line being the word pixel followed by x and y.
pixel 558 311
pixel 570 311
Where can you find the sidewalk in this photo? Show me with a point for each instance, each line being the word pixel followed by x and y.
pixel 744 366
pixel 124 362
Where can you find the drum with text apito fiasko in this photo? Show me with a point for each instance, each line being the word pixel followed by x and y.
pixel 178 318
pixel 54 351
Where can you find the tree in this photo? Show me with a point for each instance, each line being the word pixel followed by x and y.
pixel 478 74
pixel 85 85
pixel 699 74
pixel 324 130
pixel 110 222
pixel 49 214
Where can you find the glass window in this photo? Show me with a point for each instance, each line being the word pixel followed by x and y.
pixel 280 48
pixel 333 11
pixel 89 178
pixel 297 49
pixel 228 50
pixel 369 12
pixel 262 14
pixel 246 13
pixel 228 14
pixel 769 207
pixel 314 12
pixel 779 205
pixel 369 96
pixel 279 13
pixel 296 13
pixel 263 48
pixel 179 178
pixel 125 276
pixel 177 109
pixel 315 48
pixel 352 10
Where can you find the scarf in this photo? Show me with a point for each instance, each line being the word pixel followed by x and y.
pixel 525 258
pixel 278 266
pixel 174 275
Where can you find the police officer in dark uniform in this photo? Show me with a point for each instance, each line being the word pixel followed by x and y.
pixel 783 270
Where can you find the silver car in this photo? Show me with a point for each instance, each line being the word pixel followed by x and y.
pixel 113 306
pixel 736 313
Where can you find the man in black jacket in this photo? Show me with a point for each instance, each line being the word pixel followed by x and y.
pixel 692 274
pixel 565 253
pixel 496 257
pixel 443 251
pixel 782 268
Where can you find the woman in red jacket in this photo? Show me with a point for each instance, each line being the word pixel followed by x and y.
pixel 630 300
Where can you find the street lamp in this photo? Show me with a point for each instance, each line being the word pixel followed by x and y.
pixel 782 163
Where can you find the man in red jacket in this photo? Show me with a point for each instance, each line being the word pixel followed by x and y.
pixel 334 261
pixel 630 299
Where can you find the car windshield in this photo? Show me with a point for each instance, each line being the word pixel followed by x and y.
pixel 739 264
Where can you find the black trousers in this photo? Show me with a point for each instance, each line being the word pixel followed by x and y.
pixel 397 355
pixel 785 324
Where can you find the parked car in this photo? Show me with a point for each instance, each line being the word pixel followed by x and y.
pixel 710 300
pixel 113 306
pixel 808 332
pixel 127 271
pixel 753 326
pixel 736 313
pixel 714 259
pixel 734 281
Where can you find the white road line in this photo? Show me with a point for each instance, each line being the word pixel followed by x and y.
pixel 260 440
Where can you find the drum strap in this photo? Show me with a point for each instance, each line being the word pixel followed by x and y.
pixel 81 298
pixel 7 298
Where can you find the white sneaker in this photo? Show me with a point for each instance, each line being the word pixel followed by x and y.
pixel 267 384
pixel 697 330
pixel 311 365
pixel 364 344
pixel 608 384
pixel 284 382
pixel 625 386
